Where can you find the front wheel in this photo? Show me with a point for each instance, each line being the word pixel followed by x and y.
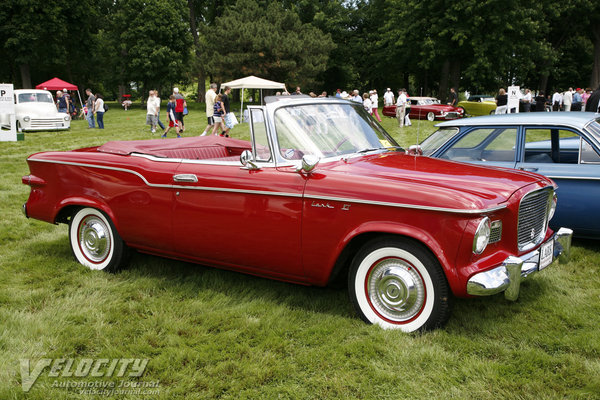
pixel 398 284
pixel 95 242
pixel 430 116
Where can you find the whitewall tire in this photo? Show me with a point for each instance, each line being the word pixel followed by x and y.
pixel 398 284
pixel 94 240
pixel 430 116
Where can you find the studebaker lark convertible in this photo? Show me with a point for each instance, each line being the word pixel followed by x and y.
pixel 320 192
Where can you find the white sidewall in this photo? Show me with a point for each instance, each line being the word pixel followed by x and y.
pixel 81 214
pixel 361 296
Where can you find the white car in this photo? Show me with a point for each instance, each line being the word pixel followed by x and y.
pixel 36 111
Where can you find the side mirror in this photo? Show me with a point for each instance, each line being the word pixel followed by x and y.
pixel 309 163
pixel 247 160
pixel 415 150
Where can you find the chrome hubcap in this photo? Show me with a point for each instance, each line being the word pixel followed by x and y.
pixel 94 238
pixel 395 289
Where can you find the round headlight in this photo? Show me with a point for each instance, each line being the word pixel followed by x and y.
pixel 67 117
pixel 26 119
pixel 552 207
pixel 482 236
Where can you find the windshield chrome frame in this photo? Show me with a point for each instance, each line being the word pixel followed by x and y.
pixel 271 108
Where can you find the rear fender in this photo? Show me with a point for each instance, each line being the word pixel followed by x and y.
pixel 70 203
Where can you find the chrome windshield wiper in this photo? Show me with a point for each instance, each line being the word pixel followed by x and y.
pixel 379 148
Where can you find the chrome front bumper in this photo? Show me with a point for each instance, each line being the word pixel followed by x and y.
pixel 508 276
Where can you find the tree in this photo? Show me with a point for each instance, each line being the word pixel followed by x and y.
pixel 266 40
pixel 151 41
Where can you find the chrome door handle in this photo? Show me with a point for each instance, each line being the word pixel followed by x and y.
pixel 528 169
pixel 185 178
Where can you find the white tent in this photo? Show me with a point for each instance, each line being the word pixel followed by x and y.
pixel 252 82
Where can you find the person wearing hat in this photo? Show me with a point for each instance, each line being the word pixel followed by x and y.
pixel 388 97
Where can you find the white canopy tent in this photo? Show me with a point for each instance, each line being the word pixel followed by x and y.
pixel 252 82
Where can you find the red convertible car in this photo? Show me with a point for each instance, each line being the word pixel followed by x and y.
pixel 427 108
pixel 320 192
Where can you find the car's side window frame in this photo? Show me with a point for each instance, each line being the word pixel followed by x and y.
pixel 523 139
pixel 464 131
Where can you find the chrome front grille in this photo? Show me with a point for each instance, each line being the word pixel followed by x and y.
pixel 47 123
pixel 452 115
pixel 533 218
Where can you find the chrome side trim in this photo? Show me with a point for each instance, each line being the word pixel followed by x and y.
pixel 281 194
pixel 590 178
pixel 401 205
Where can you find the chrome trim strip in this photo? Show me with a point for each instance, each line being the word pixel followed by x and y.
pixel 280 194
pixel 401 205
pixel 574 177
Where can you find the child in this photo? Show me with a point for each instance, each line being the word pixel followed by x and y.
pixel 171 114
pixel 219 111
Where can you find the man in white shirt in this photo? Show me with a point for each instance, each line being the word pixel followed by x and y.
pixel 527 101
pixel 568 99
pixel 401 107
pixel 211 95
pixel 557 101
pixel 356 96
pixel 388 97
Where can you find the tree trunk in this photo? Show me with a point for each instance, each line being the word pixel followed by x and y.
pixel 543 82
pixel 25 76
pixel 455 73
pixel 595 78
pixel 443 94
pixel 198 65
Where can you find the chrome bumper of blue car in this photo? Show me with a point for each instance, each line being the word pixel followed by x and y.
pixel 508 276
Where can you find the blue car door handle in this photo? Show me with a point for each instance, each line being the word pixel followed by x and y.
pixel 532 169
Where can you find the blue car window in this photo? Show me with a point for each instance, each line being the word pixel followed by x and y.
pixel 551 145
pixel 485 144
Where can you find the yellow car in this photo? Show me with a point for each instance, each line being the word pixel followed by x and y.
pixel 478 104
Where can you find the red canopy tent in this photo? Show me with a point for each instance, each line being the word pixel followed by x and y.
pixel 59 84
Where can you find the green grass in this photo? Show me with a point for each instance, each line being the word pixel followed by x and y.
pixel 215 334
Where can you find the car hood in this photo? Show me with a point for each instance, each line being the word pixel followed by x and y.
pixel 424 181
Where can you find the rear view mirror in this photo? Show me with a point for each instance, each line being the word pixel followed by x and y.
pixel 247 160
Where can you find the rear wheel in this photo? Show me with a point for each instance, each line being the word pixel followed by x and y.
pixel 430 116
pixel 398 284
pixel 95 242
pixel 493 112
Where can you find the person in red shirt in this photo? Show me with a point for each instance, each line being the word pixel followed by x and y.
pixel 180 105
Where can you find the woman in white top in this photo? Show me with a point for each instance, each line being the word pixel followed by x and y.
pixel 99 110
pixel 375 104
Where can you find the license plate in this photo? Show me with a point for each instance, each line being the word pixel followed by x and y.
pixel 546 253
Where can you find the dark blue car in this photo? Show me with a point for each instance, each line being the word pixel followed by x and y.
pixel 564 146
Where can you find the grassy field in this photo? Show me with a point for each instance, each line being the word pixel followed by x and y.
pixel 214 334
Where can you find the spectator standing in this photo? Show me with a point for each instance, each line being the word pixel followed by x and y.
pixel 593 101
pixel 388 97
pixel 157 101
pixel 584 98
pixel 151 111
pixel 453 97
pixel 90 108
pixel 338 93
pixel 210 96
pixel 407 110
pixel 557 101
pixel 180 105
pixel 356 97
pixel 568 99
pixel 367 103
pixel 375 104
pixel 171 116
pixel 501 102
pixel 296 92
pixel 527 101
pixel 401 108
pixel 99 110
pixel 540 102
pixel 61 102
pixel 227 121
pixel 576 106
pixel 218 113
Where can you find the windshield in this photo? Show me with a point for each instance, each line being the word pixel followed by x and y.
pixel 35 97
pixel 437 139
pixel 328 130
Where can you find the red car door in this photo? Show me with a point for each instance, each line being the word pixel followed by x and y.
pixel 231 216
